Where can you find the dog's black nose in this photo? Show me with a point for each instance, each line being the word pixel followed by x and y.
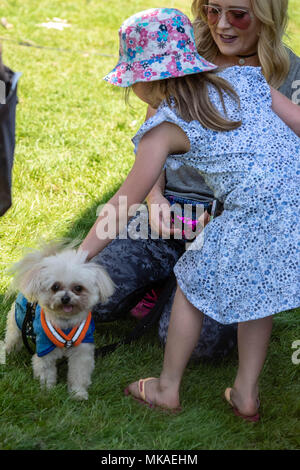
pixel 65 299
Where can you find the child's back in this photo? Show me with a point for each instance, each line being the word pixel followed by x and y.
pixel 247 266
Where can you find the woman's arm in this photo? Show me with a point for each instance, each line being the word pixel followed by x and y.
pixel 152 152
pixel 288 111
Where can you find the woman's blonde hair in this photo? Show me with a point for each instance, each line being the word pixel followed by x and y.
pixel 273 57
pixel 190 95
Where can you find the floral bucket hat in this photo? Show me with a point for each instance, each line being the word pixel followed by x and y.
pixel 156 44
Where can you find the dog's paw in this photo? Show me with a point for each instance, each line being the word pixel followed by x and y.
pixel 79 394
pixel 44 371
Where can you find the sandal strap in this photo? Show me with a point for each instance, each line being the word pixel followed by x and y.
pixel 142 387
pixel 227 395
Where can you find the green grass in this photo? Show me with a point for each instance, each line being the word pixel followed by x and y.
pixel 73 151
pixel 293 39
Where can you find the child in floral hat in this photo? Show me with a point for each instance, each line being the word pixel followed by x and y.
pixel 244 266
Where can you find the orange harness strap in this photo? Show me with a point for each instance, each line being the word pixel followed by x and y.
pixel 59 338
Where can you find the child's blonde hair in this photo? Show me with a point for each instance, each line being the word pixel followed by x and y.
pixel 191 98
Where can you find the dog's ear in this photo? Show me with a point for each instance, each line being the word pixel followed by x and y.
pixel 104 283
pixel 30 284
pixel 27 276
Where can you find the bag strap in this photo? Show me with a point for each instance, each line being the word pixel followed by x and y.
pixel 146 322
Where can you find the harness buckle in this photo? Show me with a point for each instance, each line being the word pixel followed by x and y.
pixel 68 344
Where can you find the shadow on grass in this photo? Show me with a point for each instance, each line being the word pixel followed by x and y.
pixel 81 226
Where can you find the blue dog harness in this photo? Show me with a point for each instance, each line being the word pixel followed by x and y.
pixel 48 336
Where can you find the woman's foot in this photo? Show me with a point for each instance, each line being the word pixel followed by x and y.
pixel 245 406
pixel 153 392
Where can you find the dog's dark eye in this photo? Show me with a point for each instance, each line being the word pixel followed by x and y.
pixel 55 287
pixel 78 289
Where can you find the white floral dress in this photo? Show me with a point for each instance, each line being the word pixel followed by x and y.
pixel 245 264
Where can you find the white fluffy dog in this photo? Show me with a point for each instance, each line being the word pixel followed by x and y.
pixel 66 287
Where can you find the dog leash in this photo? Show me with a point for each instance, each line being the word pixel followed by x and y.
pixel 27 326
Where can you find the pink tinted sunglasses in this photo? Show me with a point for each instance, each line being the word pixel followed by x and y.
pixel 237 17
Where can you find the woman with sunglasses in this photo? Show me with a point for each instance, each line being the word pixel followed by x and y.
pixel 247 32
pixel 228 32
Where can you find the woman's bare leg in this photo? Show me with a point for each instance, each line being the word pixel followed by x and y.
pixel 253 341
pixel 183 334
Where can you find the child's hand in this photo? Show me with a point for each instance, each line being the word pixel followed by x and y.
pixel 204 219
pixel 160 216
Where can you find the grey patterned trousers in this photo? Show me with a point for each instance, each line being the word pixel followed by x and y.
pixel 134 265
